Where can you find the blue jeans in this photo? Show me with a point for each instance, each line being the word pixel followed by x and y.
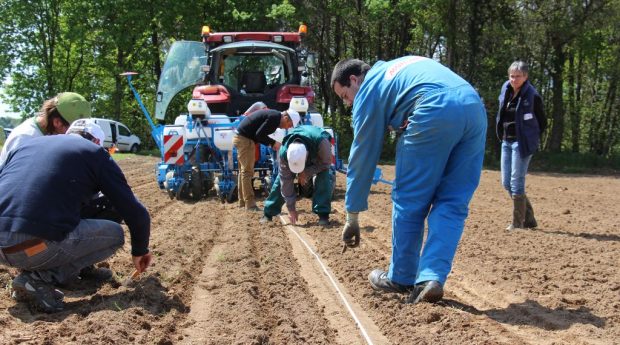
pixel 438 165
pixel 92 241
pixel 514 168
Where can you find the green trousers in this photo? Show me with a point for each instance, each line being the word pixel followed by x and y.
pixel 321 196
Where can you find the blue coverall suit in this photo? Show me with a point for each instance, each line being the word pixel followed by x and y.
pixel 438 159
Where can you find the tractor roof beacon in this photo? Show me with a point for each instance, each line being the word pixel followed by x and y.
pixel 231 71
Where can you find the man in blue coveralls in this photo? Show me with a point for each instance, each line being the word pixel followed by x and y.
pixel 441 123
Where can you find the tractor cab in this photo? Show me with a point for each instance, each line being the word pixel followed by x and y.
pixel 230 71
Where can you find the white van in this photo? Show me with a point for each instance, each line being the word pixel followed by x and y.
pixel 116 133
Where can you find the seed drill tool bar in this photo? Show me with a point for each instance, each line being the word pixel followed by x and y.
pixel 156 131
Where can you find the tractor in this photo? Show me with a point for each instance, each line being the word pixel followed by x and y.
pixel 228 72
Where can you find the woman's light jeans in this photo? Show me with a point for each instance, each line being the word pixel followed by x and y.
pixel 514 168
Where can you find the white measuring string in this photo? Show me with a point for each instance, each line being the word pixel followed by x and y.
pixel 333 281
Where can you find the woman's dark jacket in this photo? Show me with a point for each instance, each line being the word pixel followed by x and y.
pixel 530 120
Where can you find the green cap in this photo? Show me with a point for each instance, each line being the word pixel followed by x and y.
pixel 72 106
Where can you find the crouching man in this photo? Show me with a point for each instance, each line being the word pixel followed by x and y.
pixel 99 206
pixel 41 232
pixel 305 151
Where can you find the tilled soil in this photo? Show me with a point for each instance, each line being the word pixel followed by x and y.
pixel 220 277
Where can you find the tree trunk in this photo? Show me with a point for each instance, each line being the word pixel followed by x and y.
pixel 610 118
pixel 155 51
pixel 118 85
pixel 476 23
pixel 571 103
pixel 577 115
pixel 557 72
pixel 451 34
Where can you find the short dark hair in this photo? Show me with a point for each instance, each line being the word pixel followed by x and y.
pixel 520 66
pixel 346 68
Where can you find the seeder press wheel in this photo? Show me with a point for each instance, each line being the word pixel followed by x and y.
pixel 196 186
pixel 229 197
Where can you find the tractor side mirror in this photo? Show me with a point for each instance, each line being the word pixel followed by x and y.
pixel 311 60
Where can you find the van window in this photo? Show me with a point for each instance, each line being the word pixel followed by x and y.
pixel 122 130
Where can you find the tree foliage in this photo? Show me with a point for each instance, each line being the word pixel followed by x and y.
pixel 50 46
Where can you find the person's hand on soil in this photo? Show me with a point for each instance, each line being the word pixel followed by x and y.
pixel 292 216
pixel 142 262
pixel 351 232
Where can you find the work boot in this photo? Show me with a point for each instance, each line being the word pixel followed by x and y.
pixel 379 281
pixel 27 287
pixel 530 221
pixel 254 209
pixel 428 291
pixel 518 212
pixel 97 274
pixel 265 219
pixel 323 219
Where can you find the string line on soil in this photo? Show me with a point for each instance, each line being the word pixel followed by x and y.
pixel 333 282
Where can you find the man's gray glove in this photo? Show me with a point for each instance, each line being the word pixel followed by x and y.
pixel 351 231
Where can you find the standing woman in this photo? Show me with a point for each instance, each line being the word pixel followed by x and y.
pixel 519 124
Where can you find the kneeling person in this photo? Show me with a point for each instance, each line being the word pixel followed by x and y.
pixel 41 232
pixel 305 151
pixel 99 206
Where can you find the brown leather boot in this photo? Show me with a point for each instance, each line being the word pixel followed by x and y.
pixel 518 212
pixel 530 220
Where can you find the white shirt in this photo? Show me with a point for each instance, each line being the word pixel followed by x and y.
pixel 25 130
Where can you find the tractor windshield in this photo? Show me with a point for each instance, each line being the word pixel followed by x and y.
pixel 253 67
pixel 181 70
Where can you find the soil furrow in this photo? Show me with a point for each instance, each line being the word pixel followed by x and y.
pixel 251 290
pixel 220 277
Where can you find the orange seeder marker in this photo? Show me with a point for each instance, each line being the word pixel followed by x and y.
pixel 134 276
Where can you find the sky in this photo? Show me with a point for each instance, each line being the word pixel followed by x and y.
pixel 4 109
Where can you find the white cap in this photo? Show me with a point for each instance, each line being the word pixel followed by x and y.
pixel 294 116
pixel 88 127
pixel 296 156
